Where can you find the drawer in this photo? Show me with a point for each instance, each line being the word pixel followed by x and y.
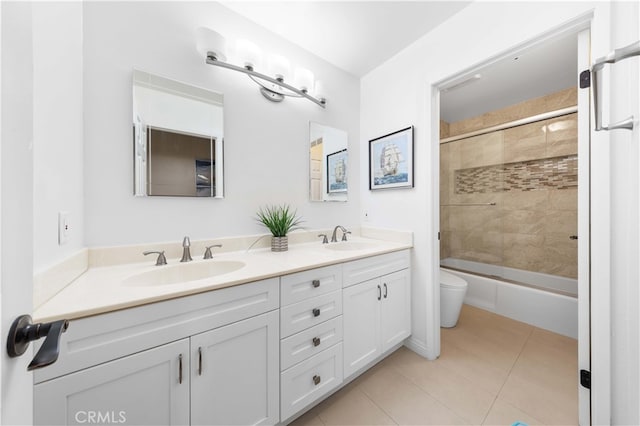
pixel 303 285
pixel 376 266
pixel 311 379
pixel 309 342
pixel 309 312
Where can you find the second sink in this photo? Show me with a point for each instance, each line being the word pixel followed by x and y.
pixel 183 272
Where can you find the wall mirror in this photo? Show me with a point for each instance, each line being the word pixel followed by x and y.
pixel 328 163
pixel 177 138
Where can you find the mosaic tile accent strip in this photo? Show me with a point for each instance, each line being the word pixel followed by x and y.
pixel 545 173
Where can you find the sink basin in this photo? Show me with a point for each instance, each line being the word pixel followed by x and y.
pixel 184 272
pixel 349 245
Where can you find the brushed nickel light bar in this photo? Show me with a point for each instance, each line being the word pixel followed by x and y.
pixel 275 89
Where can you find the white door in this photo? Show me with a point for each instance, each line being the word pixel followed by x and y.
pixel 396 309
pixel 235 373
pixel 361 319
pixel 584 278
pixel 16 202
pixel 615 298
pixel 147 388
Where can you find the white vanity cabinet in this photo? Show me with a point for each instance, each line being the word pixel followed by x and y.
pixel 143 389
pixel 220 367
pixel 234 373
pixel 311 332
pixel 377 311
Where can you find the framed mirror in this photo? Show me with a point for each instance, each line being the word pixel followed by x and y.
pixel 178 138
pixel 328 163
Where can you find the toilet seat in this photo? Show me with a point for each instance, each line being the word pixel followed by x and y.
pixel 449 280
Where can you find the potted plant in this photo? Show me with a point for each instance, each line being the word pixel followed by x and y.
pixel 279 220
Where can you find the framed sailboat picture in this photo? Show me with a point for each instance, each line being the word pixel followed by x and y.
pixel 337 172
pixel 391 160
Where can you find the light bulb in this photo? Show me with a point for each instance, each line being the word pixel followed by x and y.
pixel 208 40
pixel 303 79
pixel 279 67
pixel 249 55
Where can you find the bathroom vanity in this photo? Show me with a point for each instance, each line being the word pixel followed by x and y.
pixel 256 351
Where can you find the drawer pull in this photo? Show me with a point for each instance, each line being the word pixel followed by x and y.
pixel 316 380
pixel 180 369
pixel 316 341
pixel 200 361
pixel 385 290
pixel 379 293
pixel 316 312
pixel 316 283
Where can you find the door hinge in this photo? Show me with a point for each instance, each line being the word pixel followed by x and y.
pixel 585 79
pixel 438 236
pixel 585 378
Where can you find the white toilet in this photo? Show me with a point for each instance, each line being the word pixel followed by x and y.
pixel 452 291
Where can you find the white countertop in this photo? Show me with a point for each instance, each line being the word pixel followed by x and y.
pixel 103 289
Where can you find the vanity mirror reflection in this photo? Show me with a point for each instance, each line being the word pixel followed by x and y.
pixel 328 163
pixel 177 138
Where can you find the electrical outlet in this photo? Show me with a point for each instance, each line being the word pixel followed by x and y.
pixel 64 228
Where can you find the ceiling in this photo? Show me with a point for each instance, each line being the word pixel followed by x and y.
pixel 537 71
pixel 358 36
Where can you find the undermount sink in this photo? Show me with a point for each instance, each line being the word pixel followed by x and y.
pixel 184 272
pixel 349 245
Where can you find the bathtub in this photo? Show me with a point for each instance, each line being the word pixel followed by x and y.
pixel 542 300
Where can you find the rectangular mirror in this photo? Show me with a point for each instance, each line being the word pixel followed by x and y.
pixel 177 138
pixel 328 163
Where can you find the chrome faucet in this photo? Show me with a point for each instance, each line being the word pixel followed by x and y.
pixel 162 260
pixel 186 252
pixel 344 234
pixel 207 252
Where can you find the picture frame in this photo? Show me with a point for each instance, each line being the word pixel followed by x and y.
pixel 337 167
pixel 391 160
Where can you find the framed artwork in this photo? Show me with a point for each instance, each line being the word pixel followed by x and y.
pixel 337 172
pixel 391 160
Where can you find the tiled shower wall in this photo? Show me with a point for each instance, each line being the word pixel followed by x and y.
pixel 530 172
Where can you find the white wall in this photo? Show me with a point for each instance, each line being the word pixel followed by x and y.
pixel 266 144
pixel 481 31
pixel 57 129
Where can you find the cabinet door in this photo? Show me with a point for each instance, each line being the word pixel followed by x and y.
pixel 140 389
pixel 395 318
pixel 235 373
pixel 361 318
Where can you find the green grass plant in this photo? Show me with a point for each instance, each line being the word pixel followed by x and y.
pixel 279 219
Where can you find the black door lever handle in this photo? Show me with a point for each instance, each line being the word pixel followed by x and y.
pixel 23 332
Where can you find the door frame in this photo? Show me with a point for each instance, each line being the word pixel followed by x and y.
pixel 581 27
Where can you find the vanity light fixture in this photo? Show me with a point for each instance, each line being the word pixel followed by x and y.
pixel 212 46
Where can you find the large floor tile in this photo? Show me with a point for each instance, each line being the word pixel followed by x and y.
pixel 479 371
pixel 502 413
pixel 351 406
pixel 447 386
pixel 552 405
pixel 405 402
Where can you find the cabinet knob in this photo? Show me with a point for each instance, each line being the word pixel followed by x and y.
pixel 316 380
pixel 316 312
pixel 316 341
pixel 316 283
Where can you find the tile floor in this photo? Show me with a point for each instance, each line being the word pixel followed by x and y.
pixel 492 370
